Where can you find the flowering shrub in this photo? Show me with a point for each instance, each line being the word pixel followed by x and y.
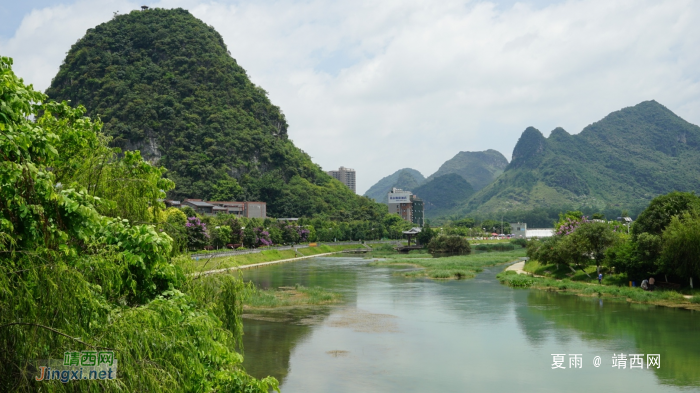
pixel 262 237
pixel 303 234
pixel 197 236
pixel 569 225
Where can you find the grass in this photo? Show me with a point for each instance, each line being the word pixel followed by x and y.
pixel 254 297
pixel 496 247
pixel 632 294
pixel 454 267
pixel 488 241
pixel 205 264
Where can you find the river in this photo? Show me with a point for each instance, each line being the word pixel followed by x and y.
pixel 393 334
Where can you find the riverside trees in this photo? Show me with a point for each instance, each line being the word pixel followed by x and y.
pixel 665 240
pixel 76 275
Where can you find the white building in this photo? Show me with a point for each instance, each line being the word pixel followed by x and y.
pixel 540 232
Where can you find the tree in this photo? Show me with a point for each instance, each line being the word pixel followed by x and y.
pixel 657 216
pixel 595 238
pixel 681 246
pixel 449 244
pixel 197 235
pixel 71 276
pixel 426 235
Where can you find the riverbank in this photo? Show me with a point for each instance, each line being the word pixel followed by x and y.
pixel 519 277
pixel 453 267
pixel 215 264
pixel 298 295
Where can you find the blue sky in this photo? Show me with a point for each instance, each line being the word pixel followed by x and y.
pixel 382 85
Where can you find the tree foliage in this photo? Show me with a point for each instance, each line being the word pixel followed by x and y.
pixel 164 83
pixel 72 278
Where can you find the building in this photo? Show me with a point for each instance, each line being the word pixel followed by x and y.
pixel 230 207
pixel 518 229
pixel 199 206
pixel 400 203
pixel 241 209
pixel 417 210
pixel 255 210
pixel 346 176
pixel 538 233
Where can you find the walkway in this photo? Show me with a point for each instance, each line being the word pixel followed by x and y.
pixel 254 265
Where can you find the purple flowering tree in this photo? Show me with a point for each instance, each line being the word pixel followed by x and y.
pixel 197 236
pixel 262 237
pixel 303 234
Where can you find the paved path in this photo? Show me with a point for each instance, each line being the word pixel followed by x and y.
pixel 254 265
pixel 517 267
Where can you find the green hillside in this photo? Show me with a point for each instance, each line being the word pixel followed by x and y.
pixel 478 168
pixel 405 179
pixel 618 163
pixel 443 193
pixel 163 82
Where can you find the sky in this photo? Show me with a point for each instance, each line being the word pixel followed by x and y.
pixel 382 85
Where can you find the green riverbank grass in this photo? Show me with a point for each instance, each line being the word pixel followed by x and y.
pixel 454 267
pixel 254 297
pixel 631 294
pixel 213 263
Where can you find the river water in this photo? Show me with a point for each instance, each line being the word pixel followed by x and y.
pixel 393 334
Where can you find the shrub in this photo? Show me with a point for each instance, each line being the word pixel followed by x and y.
pixel 450 244
pixel 519 242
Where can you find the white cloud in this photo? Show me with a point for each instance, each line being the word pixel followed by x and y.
pixel 378 86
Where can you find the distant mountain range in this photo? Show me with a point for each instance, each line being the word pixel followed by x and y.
pixel 450 186
pixel 405 179
pixel 478 168
pixel 616 164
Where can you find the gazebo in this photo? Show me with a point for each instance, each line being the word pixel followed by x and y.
pixel 411 233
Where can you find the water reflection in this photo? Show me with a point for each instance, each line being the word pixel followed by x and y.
pixel 670 332
pixel 399 334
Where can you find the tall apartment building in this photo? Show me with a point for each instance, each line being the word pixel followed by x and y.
pixel 346 176
pixel 417 210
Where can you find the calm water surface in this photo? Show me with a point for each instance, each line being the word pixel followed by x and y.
pixel 394 334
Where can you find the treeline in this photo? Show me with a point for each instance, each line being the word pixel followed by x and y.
pixel 664 241
pixel 82 267
pixel 191 231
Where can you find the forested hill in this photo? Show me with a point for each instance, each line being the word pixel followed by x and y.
pixel 163 82
pixel 405 179
pixel 618 163
pixel 478 168
pixel 442 193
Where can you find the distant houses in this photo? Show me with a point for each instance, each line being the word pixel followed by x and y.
pixel 239 209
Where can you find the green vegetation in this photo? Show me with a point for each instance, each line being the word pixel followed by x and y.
pixel 454 267
pixel 164 83
pixel 205 263
pixel 478 168
pixel 664 242
pixel 618 163
pixel 74 276
pixel 443 193
pixel 405 179
pixel 449 244
pixel 298 295
pixel 503 246
pixel 633 294
pixel 449 187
